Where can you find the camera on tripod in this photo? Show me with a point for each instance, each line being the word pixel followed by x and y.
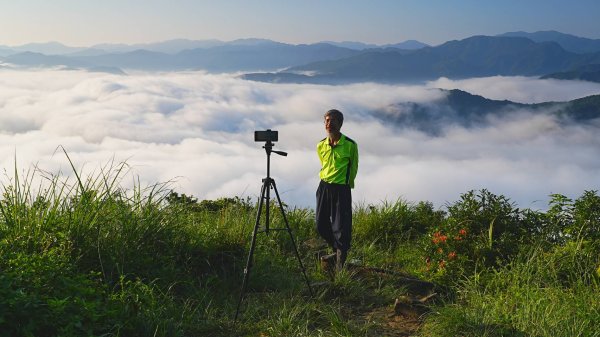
pixel 268 183
pixel 266 136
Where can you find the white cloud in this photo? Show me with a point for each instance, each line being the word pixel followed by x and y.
pixel 521 89
pixel 198 128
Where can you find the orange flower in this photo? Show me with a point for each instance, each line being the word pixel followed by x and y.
pixel 451 255
pixel 440 250
pixel 442 264
pixel 462 232
pixel 443 238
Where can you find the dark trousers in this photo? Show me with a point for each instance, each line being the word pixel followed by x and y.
pixel 334 215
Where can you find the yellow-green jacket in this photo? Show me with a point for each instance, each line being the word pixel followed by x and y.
pixel 339 163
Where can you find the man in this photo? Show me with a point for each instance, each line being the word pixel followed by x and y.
pixel 339 164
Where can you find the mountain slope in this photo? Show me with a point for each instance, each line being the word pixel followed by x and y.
pixel 472 57
pixel 590 72
pixel 41 60
pixel 460 108
pixel 476 56
pixel 240 55
pixel 569 42
pixel 269 56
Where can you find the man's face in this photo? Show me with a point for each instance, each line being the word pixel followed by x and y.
pixel 332 124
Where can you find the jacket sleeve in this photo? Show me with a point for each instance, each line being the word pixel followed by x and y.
pixel 354 164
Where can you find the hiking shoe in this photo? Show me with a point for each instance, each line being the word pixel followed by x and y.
pixel 340 259
pixel 328 264
pixel 329 257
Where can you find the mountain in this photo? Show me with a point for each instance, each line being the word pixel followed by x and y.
pixel 174 46
pixel 582 109
pixel 32 59
pixel 137 59
pixel 351 44
pixel 243 55
pixel 321 62
pixel 476 56
pixel 265 56
pixel 167 47
pixel 5 51
pixel 569 42
pixel 590 72
pixel 87 52
pixel 239 55
pixel 407 45
pixel 461 108
pixel 47 48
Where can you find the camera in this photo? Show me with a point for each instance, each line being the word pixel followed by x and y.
pixel 266 136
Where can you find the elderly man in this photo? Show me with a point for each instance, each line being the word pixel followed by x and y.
pixel 339 165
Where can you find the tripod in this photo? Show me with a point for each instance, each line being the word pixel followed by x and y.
pixel 265 194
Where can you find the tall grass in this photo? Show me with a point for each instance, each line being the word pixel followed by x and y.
pixel 540 293
pixel 80 255
pixel 83 256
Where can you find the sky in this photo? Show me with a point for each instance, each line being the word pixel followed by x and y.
pixel 85 23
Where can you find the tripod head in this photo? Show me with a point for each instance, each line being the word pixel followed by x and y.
pixel 269 148
pixel 268 136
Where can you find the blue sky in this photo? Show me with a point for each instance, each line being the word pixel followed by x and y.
pixel 87 22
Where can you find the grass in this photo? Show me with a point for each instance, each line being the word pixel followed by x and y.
pixel 82 256
pixel 531 296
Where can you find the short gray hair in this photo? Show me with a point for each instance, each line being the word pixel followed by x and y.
pixel 335 113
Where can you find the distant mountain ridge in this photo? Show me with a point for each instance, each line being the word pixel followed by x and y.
pixel 406 45
pixel 245 55
pixel 588 72
pixel 209 55
pixel 477 56
pixel 569 42
pixel 175 46
pixel 461 108
pixel 511 54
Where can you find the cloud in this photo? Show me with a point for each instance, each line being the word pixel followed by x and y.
pixel 196 129
pixel 520 89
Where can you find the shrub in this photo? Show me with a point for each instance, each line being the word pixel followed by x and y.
pixel 390 224
pixel 481 229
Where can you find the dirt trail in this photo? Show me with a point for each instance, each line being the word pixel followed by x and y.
pixel 404 316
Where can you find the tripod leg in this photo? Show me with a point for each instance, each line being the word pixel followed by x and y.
pixel 289 230
pixel 251 252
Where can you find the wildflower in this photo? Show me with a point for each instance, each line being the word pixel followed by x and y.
pixel 451 255
pixel 462 232
pixel 440 250
pixel 442 264
pixel 443 238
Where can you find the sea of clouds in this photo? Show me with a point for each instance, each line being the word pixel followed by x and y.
pixel 195 130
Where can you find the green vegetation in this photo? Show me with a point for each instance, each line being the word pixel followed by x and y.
pixel 86 257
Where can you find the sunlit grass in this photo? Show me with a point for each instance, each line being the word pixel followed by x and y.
pixel 80 255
